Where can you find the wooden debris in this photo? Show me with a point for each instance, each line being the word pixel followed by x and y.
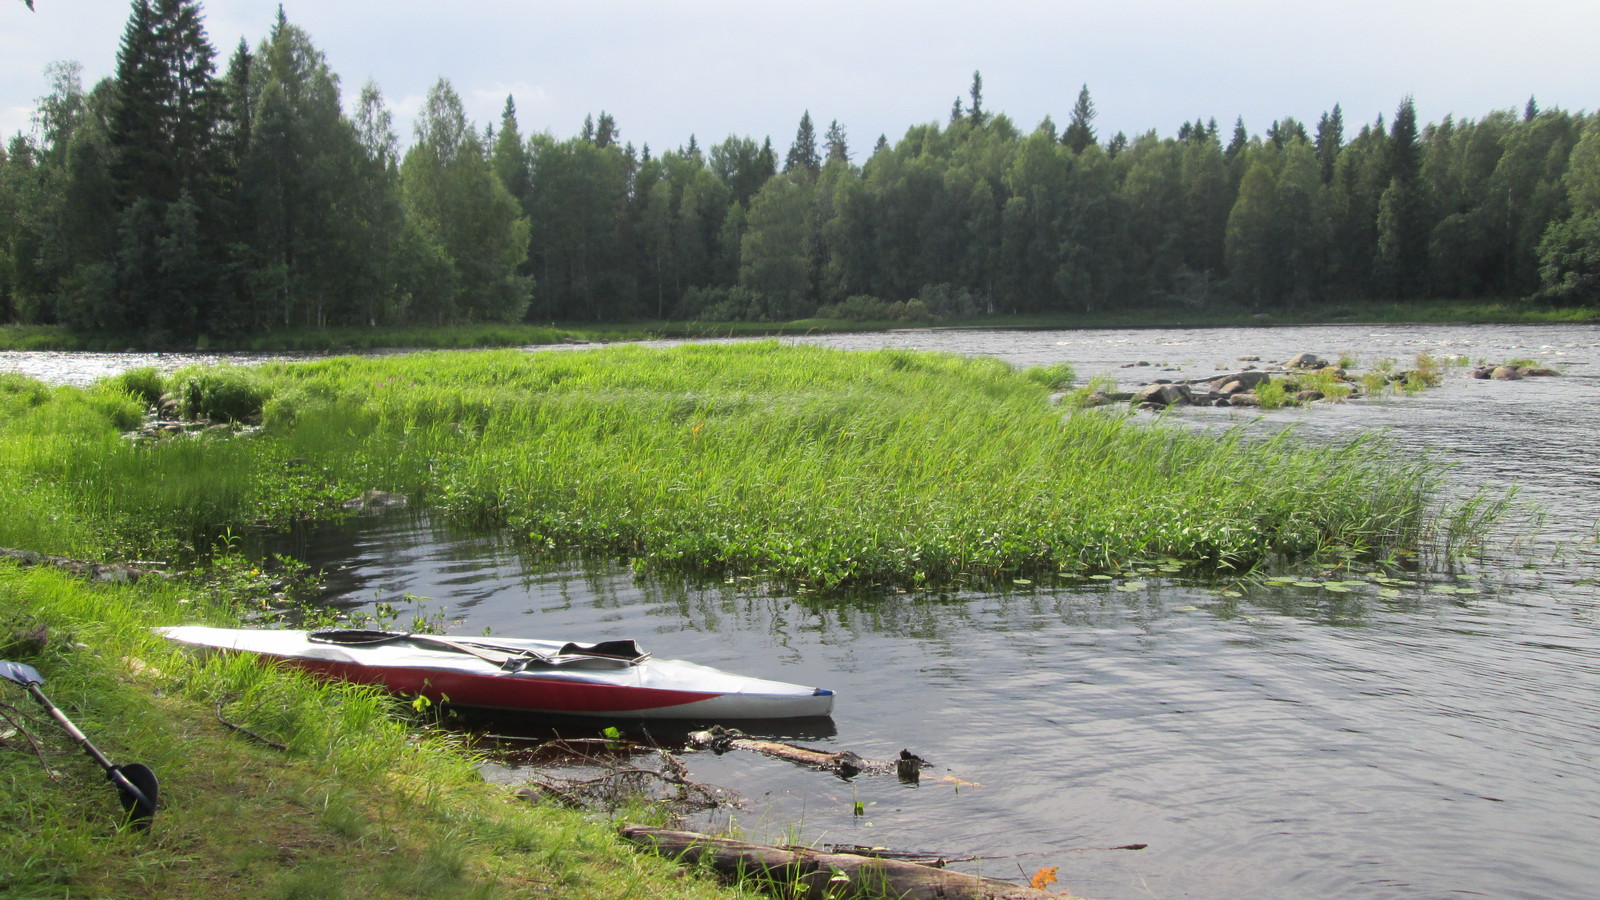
pixel 112 572
pixel 844 763
pixel 812 875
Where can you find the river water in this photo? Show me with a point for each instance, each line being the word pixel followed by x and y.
pixel 1293 742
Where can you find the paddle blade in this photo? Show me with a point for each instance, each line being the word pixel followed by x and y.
pixel 140 802
pixel 21 673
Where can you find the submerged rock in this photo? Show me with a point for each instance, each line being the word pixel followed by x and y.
pixel 375 501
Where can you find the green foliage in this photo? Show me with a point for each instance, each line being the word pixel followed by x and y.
pixel 1273 393
pixel 1056 377
pixel 221 394
pixel 145 383
pixel 180 208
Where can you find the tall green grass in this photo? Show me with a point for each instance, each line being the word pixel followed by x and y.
pixel 809 466
pixel 830 469
pixel 353 801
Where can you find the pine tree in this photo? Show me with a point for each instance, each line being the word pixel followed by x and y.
pixel 975 110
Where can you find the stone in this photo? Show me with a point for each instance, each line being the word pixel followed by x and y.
pixel 1306 361
pixel 1164 395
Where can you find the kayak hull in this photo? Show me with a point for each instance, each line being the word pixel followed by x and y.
pixel 647 689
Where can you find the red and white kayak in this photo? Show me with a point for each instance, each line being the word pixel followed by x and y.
pixel 613 679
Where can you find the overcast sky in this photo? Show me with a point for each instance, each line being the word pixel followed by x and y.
pixel 666 69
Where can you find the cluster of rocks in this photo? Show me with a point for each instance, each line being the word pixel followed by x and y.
pixel 1240 388
pixel 1512 372
pixel 165 419
pixel 1231 389
pixel 157 427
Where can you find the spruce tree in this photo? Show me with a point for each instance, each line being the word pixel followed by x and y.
pixel 1330 140
pixel 1079 133
pixel 803 153
pixel 1402 211
pixel 164 150
pixel 838 147
pixel 975 111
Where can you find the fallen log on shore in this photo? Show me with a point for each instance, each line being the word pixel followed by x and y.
pixel 120 573
pixel 810 875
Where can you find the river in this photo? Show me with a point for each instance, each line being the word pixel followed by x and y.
pixel 1294 742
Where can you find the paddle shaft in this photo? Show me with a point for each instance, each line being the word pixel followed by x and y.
pixel 112 772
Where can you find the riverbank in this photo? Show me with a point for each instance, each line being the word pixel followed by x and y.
pixel 820 469
pixel 339 340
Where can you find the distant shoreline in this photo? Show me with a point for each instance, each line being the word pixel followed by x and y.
pixel 338 340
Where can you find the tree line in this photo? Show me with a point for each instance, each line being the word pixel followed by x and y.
pixel 172 199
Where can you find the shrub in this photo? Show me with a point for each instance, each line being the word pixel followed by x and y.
pixel 224 393
pixel 145 384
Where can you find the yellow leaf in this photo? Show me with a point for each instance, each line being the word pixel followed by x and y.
pixel 1044 876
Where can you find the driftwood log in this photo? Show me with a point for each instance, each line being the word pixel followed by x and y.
pixel 809 875
pixel 844 763
pixel 113 572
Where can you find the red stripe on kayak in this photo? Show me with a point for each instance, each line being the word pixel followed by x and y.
pixel 505 692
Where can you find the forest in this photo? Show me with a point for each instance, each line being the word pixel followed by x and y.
pixel 184 198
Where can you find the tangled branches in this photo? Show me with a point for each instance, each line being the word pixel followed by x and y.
pixel 629 775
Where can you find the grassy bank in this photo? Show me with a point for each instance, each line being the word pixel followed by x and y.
pixel 356 803
pixel 821 469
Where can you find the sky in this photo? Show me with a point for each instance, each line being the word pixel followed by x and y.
pixel 669 69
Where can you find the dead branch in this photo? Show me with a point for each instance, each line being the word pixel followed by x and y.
pixel 844 763
pixel 247 732
pixel 622 781
pixel 6 710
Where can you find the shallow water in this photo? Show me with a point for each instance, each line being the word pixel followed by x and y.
pixel 1294 742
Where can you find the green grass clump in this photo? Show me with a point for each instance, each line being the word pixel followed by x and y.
pixel 831 469
pixel 221 393
pixel 811 467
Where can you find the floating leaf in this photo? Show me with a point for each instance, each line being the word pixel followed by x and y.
pixel 1308 584
pixel 1044 876
pixel 1022 581
pixel 1100 577
pixel 1390 594
pixel 1336 587
pixel 1129 587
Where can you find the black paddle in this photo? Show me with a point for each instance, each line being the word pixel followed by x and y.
pixel 136 784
